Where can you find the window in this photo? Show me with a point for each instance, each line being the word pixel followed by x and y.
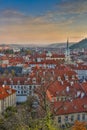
pixel 30 87
pixel 59 119
pixel 30 92
pixel 66 118
pixel 14 86
pixel 18 91
pixel 57 98
pixel 24 87
pixel 78 117
pixel 83 117
pixel 34 87
pixel 24 91
pixel 72 117
pixel 11 86
pixel 62 99
pixel 21 92
pixel 21 87
pixel 65 99
pixel 18 86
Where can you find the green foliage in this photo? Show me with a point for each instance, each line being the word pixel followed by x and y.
pixel 13 72
pixel 22 127
pixel 23 118
pixel 1 120
pixel 11 109
pixel 7 114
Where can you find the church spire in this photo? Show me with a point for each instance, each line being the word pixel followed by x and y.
pixel 67 53
pixel 67 44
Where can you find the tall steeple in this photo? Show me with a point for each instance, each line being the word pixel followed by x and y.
pixel 67 48
pixel 67 45
pixel 67 53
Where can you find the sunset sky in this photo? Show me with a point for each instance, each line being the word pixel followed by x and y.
pixel 42 21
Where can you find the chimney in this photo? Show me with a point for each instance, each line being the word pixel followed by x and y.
pixel 44 73
pixel 82 94
pixel 53 72
pixel 62 82
pixel 67 89
pixel 71 83
pixel 75 107
pixel 73 77
pixel 78 93
pixel 59 78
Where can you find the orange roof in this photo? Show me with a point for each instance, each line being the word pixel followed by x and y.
pixel 75 106
pixel 6 91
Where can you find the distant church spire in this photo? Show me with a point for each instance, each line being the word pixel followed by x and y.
pixel 67 45
pixel 67 53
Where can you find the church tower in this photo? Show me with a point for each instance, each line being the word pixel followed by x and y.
pixel 67 52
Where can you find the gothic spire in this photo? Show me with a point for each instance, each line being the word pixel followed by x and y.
pixel 67 44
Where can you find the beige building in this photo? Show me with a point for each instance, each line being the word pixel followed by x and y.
pixel 7 98
pixel 68 112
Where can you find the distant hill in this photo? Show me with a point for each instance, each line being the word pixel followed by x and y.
pixel 79 45
pixel 56 45
pixel 19 45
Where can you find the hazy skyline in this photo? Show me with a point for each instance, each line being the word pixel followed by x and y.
pixel 42 21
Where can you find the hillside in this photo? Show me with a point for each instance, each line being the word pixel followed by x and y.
pixel 80 45
pixel 19 45
pixel 56 45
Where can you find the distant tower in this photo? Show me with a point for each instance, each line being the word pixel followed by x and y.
pixel 67 52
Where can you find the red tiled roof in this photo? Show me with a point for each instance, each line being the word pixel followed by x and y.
pixel 76 106
pixel 6 91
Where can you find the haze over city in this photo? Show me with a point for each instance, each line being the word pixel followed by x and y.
pixel 42 21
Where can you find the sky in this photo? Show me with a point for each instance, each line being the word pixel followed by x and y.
pixel 42 21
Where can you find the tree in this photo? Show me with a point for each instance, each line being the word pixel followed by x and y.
pixel 6 72
pixel 13 72
pixel 79 126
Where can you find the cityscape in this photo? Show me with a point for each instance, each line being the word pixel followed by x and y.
pixel 43 65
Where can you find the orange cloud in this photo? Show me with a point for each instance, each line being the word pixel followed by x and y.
pixel 52 27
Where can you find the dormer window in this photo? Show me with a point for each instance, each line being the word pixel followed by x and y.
pixel 59 78
pixel 18 81
pixel 73 77
pixel 65 108
pixel 11 81
pixel 25 82
pixel 5 82
pixel 66 77
pixel 85 105
pixel 75 107
pixel 28 79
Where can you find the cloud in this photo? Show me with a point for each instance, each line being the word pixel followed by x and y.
pixel 73 6
pixel 10 17
pixel 11 14
pixel 53 26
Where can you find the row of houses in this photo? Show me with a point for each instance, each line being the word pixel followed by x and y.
pixel 68 101
pixel 65 93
